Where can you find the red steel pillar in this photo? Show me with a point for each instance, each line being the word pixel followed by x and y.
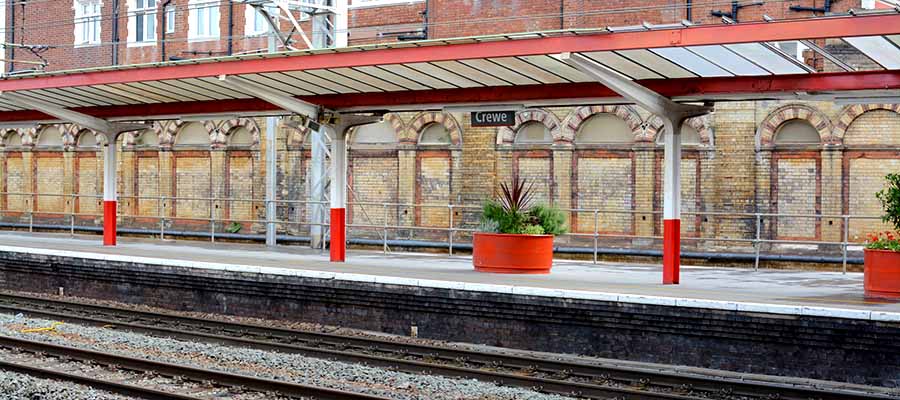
pixel 109 192
pixel 672 201
pixel 339 196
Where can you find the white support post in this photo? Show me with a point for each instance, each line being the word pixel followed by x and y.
pixel 271 181
pixel 109 191
pixel 673 115
pixel 317 183
pixel 341 23
pixel 672 201
pixel 339 195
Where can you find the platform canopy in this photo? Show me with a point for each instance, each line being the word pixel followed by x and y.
pixel 683 62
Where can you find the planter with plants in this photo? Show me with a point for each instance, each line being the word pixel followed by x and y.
pixel 516 236
pixel 882 253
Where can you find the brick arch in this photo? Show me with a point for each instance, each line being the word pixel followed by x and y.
pixel 507 135
pixel 580 115
pixel 400 129
pixel 851 113
pixel 61 128
pixel 5 134
pixel 654 128
pixel 228 127
pixel 765 135
pixel 418 124
pixel 169 134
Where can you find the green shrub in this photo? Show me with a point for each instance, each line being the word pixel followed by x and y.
pixel 890 202
pixel 513 213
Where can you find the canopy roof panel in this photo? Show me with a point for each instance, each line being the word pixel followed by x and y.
pixel 685 62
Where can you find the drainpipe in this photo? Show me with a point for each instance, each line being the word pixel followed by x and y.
pixel 230 26
pixel 12 37
pixel 562 14
pixel 162 44
pixel 688 10
pixel 425 16
pixel 115 33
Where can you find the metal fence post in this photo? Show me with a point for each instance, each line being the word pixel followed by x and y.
pixel 72 216
pixel 161 207
pixel 384 247
pixel 450 228
pixel 212 222
pixel 845 243
pixel 596 233
pixel 756 243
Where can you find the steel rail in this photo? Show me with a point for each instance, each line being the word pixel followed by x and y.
pixel 95 383
pixel 442 360
pixel 199 374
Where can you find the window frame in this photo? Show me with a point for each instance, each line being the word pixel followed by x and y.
pixel 143 14
pixel 87 20
pixel 251 17
pixel 170 13
pixel 202 10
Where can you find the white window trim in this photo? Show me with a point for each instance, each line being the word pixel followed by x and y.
pixel 250 15
pixel 193 5
pixel 79 25
pixel 132 26
pixel 170 19
pixel 381 3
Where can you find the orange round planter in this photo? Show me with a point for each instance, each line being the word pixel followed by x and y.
pixel 882 274
pixel 512 254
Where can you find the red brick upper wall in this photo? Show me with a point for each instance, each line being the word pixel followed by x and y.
pixel 52 23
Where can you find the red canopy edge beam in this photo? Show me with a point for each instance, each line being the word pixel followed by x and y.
pixel 754 87
pixel 817 28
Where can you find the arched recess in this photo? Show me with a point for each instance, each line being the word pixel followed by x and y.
pixel 871 150
pixel 241 139
pixel 697 139
pixel 192 166
pixel 15 142
pixel 769 127
pixel 603 173
pixel 530 119
pixel 423 119
pixel 147 175
pixel 436 157
pixel 374 173
pixel 795 148
pixel 49 178
pixel 88 170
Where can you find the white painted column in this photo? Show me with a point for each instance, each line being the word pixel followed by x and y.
pixel 316 184
pixel 341 23
pixel 339 195
pixel 271 165
pixel 109 191
pixel 672 201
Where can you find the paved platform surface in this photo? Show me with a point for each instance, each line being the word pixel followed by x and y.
pixel 778 291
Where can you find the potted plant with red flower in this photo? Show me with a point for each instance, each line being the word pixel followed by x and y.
pixel 882 253
pixel 516 236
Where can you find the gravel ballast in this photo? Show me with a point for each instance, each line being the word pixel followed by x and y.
pixel 287 367
pixel 15 386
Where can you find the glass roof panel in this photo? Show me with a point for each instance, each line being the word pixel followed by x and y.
pixel 691 61
pixel 656 63
pixel 879 49
pixel 766 58
pixel 729 60
pixel 623 65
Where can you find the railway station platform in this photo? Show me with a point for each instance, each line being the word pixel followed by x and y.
pixel 778 322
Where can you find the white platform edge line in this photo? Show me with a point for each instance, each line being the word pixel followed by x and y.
pixel 783 309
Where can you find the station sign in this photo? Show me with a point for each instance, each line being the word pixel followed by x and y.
pixel 493 118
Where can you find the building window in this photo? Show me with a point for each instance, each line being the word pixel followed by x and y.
pixel 255 22
pixel 145 20
pixel 170 19
pixel 87 22
pixel 794 49
pixel 204 19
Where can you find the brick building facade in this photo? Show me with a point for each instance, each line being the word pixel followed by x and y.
pixel 793 158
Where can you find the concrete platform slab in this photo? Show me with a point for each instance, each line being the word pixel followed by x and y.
pixel 813 293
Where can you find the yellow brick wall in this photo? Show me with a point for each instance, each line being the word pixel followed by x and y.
pixel 148 186
pixel 192 178
pixel 434 189
pixel 605 184
pixel 49 181
pixel 796 195
pixel 88 186
pixel 867 178
pixel 15 183
pixel 240 186
pixel 876 127
pixel 537 172
pixel 374 180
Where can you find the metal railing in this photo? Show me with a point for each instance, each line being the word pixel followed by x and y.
pixel 397 217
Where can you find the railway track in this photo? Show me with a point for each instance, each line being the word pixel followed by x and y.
pixel 147 379
pixel 550 376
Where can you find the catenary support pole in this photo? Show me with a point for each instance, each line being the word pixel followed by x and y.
pixel 109 191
